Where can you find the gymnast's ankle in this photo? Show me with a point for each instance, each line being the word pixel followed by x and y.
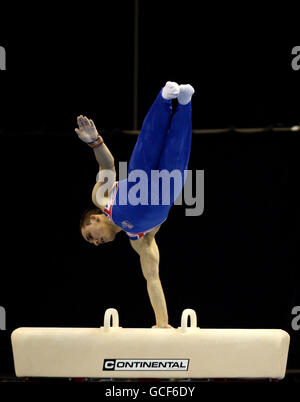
pixel 185 95
pixel 170 90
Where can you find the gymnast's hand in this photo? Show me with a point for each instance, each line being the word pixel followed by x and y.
pixel 87 131
pixel 167 326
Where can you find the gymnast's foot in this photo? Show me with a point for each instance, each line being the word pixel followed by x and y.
pixel 170 90
pixel 186 93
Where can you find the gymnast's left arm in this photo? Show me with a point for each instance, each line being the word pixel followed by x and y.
pixel 149 258
pixel 88 133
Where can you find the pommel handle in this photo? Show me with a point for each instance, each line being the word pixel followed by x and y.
pixel 186 314
pixel 111 316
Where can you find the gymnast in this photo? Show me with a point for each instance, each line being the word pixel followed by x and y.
pixel 164 143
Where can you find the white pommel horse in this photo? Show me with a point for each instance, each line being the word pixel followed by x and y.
pixel 184 352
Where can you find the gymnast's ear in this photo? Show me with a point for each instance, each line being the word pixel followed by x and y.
pixel 94 218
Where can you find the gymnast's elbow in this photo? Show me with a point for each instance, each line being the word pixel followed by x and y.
pixel 109 164
pixel 149 264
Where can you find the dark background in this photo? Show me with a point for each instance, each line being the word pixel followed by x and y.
pixel 237 264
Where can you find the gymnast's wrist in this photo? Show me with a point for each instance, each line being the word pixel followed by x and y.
pixel 96 143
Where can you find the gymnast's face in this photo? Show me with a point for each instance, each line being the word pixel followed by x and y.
pixel 98 231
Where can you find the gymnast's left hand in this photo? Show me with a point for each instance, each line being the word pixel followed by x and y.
pixel 87 131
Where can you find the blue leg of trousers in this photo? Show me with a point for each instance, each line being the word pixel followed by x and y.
pixel 150 143
pixel 177 147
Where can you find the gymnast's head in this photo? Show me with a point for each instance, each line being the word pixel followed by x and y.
pixel 95 227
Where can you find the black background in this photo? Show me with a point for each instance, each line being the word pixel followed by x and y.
pixel 237 264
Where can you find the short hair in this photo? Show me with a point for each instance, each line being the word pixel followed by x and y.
pixel 85 217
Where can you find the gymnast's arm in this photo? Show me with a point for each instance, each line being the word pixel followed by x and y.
pixel 106 167
pixel 88 133
pixel 148 251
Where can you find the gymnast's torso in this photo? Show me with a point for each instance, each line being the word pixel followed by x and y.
pixel 136 220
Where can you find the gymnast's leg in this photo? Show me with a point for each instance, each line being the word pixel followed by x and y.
pixel 177 147
pixel 147 150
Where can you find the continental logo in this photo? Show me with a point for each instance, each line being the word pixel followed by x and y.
pixel 145 364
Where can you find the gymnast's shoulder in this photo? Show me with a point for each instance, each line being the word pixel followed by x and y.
pixel 101 200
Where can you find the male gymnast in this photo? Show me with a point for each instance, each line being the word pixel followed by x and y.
pixel 164 143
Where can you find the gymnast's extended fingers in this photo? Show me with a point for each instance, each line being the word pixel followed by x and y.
pixel 86 121
pixel 80 121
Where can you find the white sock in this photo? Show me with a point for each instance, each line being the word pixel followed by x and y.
pixel 186 93
pixel 170 90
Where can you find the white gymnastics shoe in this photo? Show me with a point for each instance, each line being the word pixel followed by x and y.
pixel 170 90
pixel 186 93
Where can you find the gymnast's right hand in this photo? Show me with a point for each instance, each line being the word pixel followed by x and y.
pixel 87 131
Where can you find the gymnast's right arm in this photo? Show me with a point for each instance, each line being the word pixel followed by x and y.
pixel 148 251
pixel 88 133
